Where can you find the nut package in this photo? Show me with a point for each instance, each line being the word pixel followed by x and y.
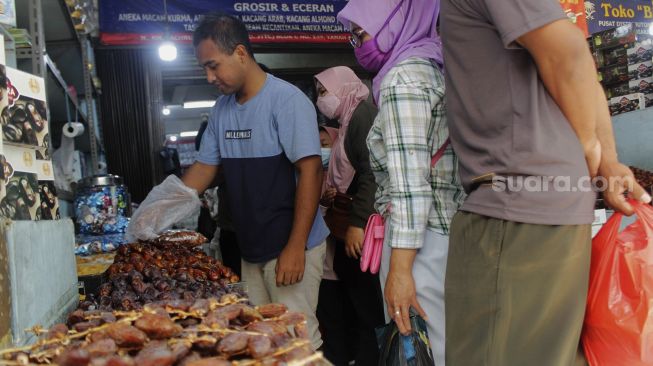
pixel 640 52
pixel 24 117
pixel 627 103
pixel 22 199
pixel 614 37
pixel 611 57
pixel 615 74
pixel 25 175
pixel 49 209
pixel 617 90
pixel 644 86
pixel 640 70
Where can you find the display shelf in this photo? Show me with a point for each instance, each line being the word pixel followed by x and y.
pixel 82 25
pixel 61 83
pixel 57 75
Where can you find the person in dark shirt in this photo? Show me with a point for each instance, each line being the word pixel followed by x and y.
pixel 262 134
pixel 343 96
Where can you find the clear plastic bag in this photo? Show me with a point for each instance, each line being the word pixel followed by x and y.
pixel 168 203
pixel 618 328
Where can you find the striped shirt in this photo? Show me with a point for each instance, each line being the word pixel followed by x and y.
pixel 409 129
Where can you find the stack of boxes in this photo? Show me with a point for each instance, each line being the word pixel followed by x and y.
pixel 625 68
pixel 27 189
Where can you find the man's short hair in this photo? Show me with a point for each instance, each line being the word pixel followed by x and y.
pixel 225 30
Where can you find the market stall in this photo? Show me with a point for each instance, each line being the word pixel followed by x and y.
pixel 181 305
pixel 165 302
pixel 74 289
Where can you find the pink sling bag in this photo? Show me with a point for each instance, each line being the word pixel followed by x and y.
pixel 375 230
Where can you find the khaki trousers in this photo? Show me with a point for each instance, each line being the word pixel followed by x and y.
pixel 260 279
pixel 515 293
pixel 429 270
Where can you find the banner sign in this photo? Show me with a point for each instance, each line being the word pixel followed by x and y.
pixel 575 10
pixel 130 22
pixel 607 14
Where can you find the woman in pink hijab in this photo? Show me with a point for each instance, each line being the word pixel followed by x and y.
pixel 350 190
pixel 415 168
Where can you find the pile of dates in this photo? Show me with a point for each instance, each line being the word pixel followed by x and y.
pixel 643 177
pixel 181 237
pixel 145 273
pixel 206 332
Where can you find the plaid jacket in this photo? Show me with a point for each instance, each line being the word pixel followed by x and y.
pixel 410 127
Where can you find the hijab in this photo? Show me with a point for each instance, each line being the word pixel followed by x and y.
pixel 332 132
pixel 343 83
pixel 410 33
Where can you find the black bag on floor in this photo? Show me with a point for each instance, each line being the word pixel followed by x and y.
pixel 398 350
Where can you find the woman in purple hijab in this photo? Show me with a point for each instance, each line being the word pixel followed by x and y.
pixel 414 166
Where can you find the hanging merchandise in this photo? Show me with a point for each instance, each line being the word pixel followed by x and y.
pixel 102 205
pixel 625 69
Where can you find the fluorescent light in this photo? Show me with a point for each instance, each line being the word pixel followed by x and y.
pixel 173 138
pixel 199 104
pixel 188 134
pixel 166 111
pixel 168 51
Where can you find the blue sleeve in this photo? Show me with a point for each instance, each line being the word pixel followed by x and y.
pixel 210 148
pixel 297 123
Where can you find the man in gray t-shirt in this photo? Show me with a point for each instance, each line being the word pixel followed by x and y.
pixel 530 125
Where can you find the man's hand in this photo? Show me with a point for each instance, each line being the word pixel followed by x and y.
pixel 400 293
pixel 620 180
pixel 354 241
pixel 291 261
pixel 200 176
pixel 328 197
pixel 290 265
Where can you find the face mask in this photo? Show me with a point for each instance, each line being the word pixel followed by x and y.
pixel 326 156
pixel 369 55
pixel 328 105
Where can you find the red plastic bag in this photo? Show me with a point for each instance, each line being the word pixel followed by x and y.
pixel 618 326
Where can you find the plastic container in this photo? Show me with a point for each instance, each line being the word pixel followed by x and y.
pixel 102 205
